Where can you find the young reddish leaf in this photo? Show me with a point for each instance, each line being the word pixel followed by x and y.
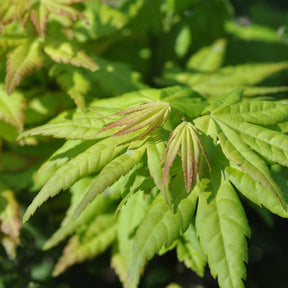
pixel 185 137
pixel 39 16
pixel 151 114
pixel 22 61
pixel 64 52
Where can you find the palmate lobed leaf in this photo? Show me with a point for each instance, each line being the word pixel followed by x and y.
pixel 237 151
pixel 22 61
pixel 242 75
pixel 222 226
pixel 226 100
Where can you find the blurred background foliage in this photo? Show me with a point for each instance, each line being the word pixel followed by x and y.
pixel 158 38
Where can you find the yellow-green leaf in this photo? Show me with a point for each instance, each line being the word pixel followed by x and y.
pixel 22 61
pixel 65 52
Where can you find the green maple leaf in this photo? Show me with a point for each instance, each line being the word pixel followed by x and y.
pixel 222 226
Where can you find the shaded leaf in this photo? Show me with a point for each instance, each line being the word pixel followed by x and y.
pixel 189 251
pixel 130 216
pixel 104 203
pixel 10 40
pixel 12 108
pixel 225 100
pixel 10 222
pixel 185 100
pixel 76 86
pixel 101 233
pixel 228 78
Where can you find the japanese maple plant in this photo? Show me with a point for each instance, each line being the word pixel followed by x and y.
pixel 158 140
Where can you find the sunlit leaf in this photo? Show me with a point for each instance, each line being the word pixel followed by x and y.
pixel 237 151
pixel 255 192
pixel 222 226
pixel 256 112
pixel 159 228
pixel 185 137
pixel 110 174
pixel 22 61
pixel 64 52
pixel 208 58
pixel 89 160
